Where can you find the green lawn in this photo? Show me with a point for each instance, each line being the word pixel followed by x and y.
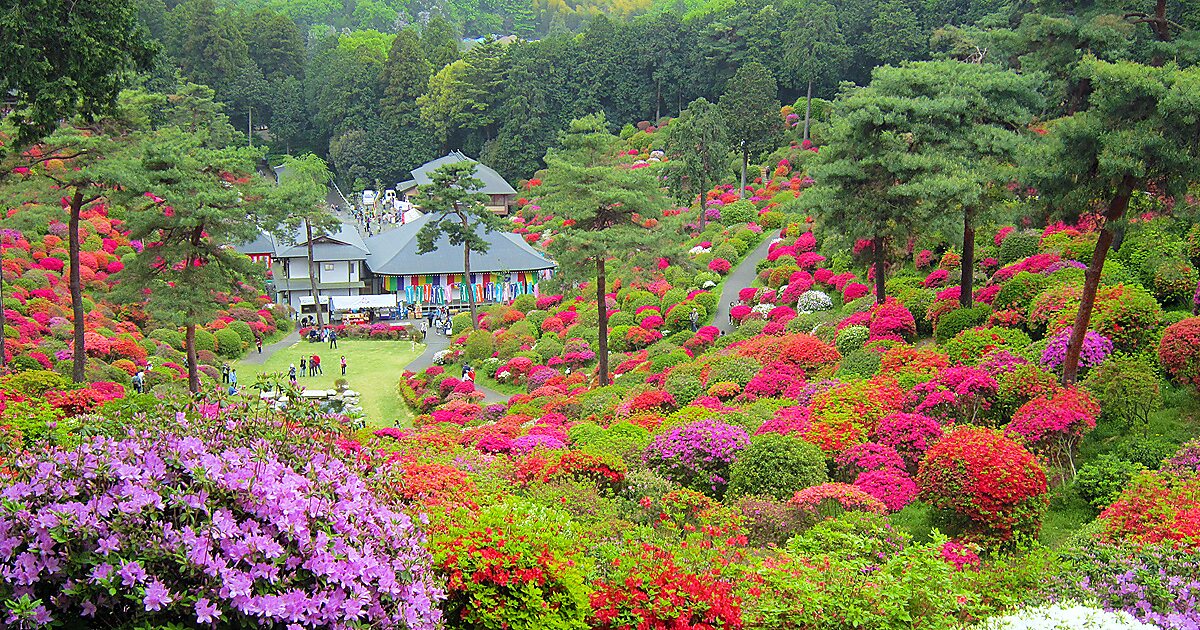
pixel 372 368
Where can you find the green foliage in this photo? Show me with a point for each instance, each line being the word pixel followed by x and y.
pixel 623 439
pixel 741 211
pixel 1018 292
pixel 852 338
pixel 1127 389
pixel 460 322
pixel 1019 246
pixel 1102 479
pixel 861 363
pixel 480 345
pixel 229 343
pixel 733 369
pixel 956 321
pixel 776 465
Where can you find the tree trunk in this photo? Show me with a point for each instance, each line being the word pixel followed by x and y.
pixel 703 190
pixel 658 102
pixel 967 284
pixel 602 306
pixel 745 160
pixel 880 267
pixel 1091 282
pixel 807 109
pixel 79 359
pixel 467 286
pixel 312 274
pixel 189 342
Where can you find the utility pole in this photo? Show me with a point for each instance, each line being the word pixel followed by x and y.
pixel 250 125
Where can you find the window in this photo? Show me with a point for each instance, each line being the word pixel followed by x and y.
pixel 328 266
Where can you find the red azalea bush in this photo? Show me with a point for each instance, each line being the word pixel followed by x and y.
pixel 787 421
pixel 829 500
pixel 846 414
pixel 893 487
pixel 855 290
pixel 1179 351
pixel 719 265
pixel 649 589
pixel 1053 425
pixel 910 434
pixel 985 484
pixel 800 350
pixel 1156 508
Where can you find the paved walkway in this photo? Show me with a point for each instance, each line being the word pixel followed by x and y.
pixel 254 358
pixel 741 277
pixel 435 343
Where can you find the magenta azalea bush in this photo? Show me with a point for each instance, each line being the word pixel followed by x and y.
pixel 697 455
pixel 1096 348
pixel 180 528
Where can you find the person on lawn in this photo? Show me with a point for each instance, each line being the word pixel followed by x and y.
pixel 343 365
pixel 303 366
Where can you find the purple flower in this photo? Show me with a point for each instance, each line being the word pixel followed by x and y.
pixel 1096 348
pixel 157 596
pixel 206 612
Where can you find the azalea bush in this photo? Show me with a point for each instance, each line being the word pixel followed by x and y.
pixel 697 455
pixel 184 527
pixel 986 485
pixel 776 465
pixel 1179 351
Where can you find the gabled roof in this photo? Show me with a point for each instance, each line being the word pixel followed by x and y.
pixel 344 244
pixel 394 253
pixel 264 244
pixel 493 183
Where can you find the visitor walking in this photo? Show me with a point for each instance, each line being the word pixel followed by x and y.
pixel 139 382
pixel 292 374
pixel 332 338
pixel 343 365
pixel 695 318
pixel 258 343
pixel 225 373
pixel 303 365
pixel 233 377
pixel 466 371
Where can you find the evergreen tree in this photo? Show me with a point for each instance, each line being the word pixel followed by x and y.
pixel 698 150
pixel 188 202
pixel 600 202
pixel 1140 132
pixel 895 34
pixel 816 52
pixel 299 202
pixel 750 107
pixel 63 57
pixel 405 79
pixel 457 210
pixel 439 40
pixel 276 44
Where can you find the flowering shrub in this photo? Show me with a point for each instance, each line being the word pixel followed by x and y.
pixel 719 265
pixel 1096 348
pixel 960 555
pixel 1157 584
pixel 890 485
pixel 1054 424
pixel 787 421
pixel 1185 462
pixel 515 567
pixel 910 434
pixel 866 457
pixel 1155 508
pixel 1179 351
pixel 969 346
pixel 183 528
pixel 813 301
pixel 648 589
pixel 846 414
pixel 991 483
pixel 891 320
pixel 1069 615
pixel 830 500
pixel 697 455
pixel 798 350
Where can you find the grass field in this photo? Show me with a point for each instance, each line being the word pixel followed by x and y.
pixel 372 369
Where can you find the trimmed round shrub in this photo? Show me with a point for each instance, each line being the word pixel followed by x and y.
pixel 970 346
pixel 229 343
pixel 959 320
pixel 1179 351
pixel 852 338
pixel 776 465
pixel 1018 293
pixel 985 485
pixel 741 211
pixel 480 345
pixel 1018 245
pixel 861 363
pixel 206 340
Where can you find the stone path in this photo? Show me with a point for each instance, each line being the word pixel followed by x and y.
pixel 740 278
pixel 435 343
pixel 254 358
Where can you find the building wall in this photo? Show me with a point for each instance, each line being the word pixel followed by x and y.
pixel 333 271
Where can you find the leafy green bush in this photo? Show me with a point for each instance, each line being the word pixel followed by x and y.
pixel 969 346
pixel 460 322
pixel 623 439
pixel 1018 293
pixel 1019 245
pixel 740 211
pixel 1127 389
pixel 1102 479
pixel 480 345
pixel 548 347
pixel 861 363
pixel 852 338
pixel 206 340
pixel 733 369
pixel 954 322
pixel 683 387
pixel 171 337
pixel 229 343
pixel 524 303
pixel 776 465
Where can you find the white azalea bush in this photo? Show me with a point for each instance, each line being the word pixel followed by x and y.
pixel 1065 616
pixel 813 301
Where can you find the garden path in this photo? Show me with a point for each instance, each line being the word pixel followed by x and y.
pixel 254 358
pixel 435 343
pixel 740 278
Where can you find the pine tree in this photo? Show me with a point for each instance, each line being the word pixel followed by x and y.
pixel 457 211
pixel 698 150
pixel 405 79
pixel 816 52
pixel 750 106
pixel 600 202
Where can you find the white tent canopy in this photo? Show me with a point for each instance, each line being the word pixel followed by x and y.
pixel 353 302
